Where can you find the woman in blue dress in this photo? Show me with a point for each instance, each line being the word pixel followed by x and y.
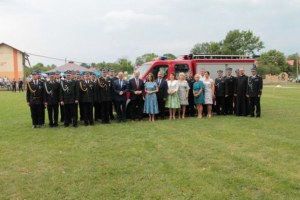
pixel 198 90
pixel 151 106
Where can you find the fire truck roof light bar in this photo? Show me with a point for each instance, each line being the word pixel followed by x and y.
pixel 224 57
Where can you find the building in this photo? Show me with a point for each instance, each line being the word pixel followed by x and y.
pixel 12 62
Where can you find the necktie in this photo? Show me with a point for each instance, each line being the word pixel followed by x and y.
pixel 137 83
pixel 159 82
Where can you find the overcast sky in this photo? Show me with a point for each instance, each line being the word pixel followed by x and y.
pixel 95 31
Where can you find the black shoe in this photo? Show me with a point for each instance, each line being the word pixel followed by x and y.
pixel 102 122
pixel 112 117
pixel 92 123
pixel 66 125
pixel 257 116
pixel 252 116
pixel 55 125
pixel 51 126
pixel 119 121
pixel 86 124
pixel 34 127
pixel 163 118
pixel 42 126
pixel 75 125
pixel 108 122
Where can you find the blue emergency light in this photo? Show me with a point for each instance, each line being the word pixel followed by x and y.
pixel 163 58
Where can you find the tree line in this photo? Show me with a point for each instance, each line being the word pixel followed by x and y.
pixel 236 42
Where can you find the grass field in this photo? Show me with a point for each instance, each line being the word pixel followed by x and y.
pixel 219 158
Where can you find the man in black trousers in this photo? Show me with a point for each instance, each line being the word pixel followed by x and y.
pixel 229 91
pixel 113 106
pixel 86 96
pixel 51 99
pixel 105 93
pixel 136 88
pixel 120 90
pixel 220 93
pixel 191 107
pixel 254 90
pixel 69 97
pixel 162 94
pixel 34 96
pixel 61 107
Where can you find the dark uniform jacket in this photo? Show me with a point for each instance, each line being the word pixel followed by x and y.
pixel 51 92
pixel 69 91
pixel 35 93
pixel 113 79
pixel 255 85
pixel 104 89
pixel 86 91
pixel 230 82
pixel 220 87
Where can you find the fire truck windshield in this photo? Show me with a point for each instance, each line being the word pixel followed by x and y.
pixel 143 69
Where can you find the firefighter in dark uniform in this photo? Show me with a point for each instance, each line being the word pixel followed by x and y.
pixel 254 90
pixel 35 94
pixel 43 81
pixel 112 78
pixel 74 78
pixel 229 91
pixel 51 99
pixel 190 108
pixel 86 96
pixel 97 113
pixel 61 107
pixel 220 93
pixel 69 96
pixel 105 93
pixel 237 74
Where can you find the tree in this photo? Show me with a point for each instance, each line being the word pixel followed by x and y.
pixel 295 58
pixel 125 65
pixel 241 43
pixel 208 48
pixel 235 43
pixel 145 58
pixel 170 56
pixel 275 61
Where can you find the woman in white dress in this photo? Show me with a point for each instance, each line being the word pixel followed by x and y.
pixel 209 93
pixel 173 102
pixel 183 93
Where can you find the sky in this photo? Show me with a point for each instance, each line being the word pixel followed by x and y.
pixel 96 31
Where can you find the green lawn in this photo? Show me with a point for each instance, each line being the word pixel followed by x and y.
pixel 219 158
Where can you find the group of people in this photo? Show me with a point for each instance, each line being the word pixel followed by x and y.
pixel 96 97
pixel 11 85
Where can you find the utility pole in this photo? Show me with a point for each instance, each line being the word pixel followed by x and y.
pixel 297 68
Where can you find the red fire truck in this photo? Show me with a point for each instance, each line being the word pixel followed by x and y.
pixel 211 63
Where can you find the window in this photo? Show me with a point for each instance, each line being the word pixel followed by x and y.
pixel 184 68
pixel 160 68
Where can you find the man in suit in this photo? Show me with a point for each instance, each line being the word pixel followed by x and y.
pixel 254 90
pixel 120 90
pixel 86 96
pixel 61 107
pixel 136 88
pixel 51 99
pixel 220 93
pixel 35 95
pixel 161 94
pixel 69 97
